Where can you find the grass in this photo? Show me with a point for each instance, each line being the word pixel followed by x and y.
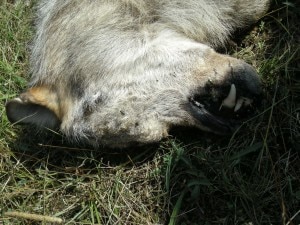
pixel 252 177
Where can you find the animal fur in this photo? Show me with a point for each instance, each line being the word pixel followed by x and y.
pixel 118 72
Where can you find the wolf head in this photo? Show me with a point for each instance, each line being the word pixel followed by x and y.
pixel 109 75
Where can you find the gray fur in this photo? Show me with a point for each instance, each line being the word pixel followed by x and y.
pixel 122 71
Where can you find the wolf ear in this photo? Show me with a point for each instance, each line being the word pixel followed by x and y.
pixel 36 106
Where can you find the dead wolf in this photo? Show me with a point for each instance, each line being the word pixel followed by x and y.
pixel 118 72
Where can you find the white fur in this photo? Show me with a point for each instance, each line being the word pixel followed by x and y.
pixel 123 70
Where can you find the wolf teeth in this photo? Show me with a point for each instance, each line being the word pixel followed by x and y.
pixel 230 100
pixel 242 101
pixel 239 104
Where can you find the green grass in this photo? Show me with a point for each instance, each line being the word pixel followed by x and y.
pixel 252 177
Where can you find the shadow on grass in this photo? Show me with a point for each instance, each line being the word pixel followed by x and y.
pixel 34 145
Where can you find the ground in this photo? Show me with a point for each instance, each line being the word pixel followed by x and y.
pixel 251 177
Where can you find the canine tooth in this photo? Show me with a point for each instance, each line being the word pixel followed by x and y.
pixel 230 100
pixel 239 104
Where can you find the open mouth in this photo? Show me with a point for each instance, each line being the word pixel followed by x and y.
pixel 223 114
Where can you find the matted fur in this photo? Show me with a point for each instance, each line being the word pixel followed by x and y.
pixel 117 72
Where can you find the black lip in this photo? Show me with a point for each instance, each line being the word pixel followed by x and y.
pixel 215 123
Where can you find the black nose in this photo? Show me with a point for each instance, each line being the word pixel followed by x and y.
pixel 246 80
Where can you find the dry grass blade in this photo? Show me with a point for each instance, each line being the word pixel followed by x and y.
pixel 29 216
